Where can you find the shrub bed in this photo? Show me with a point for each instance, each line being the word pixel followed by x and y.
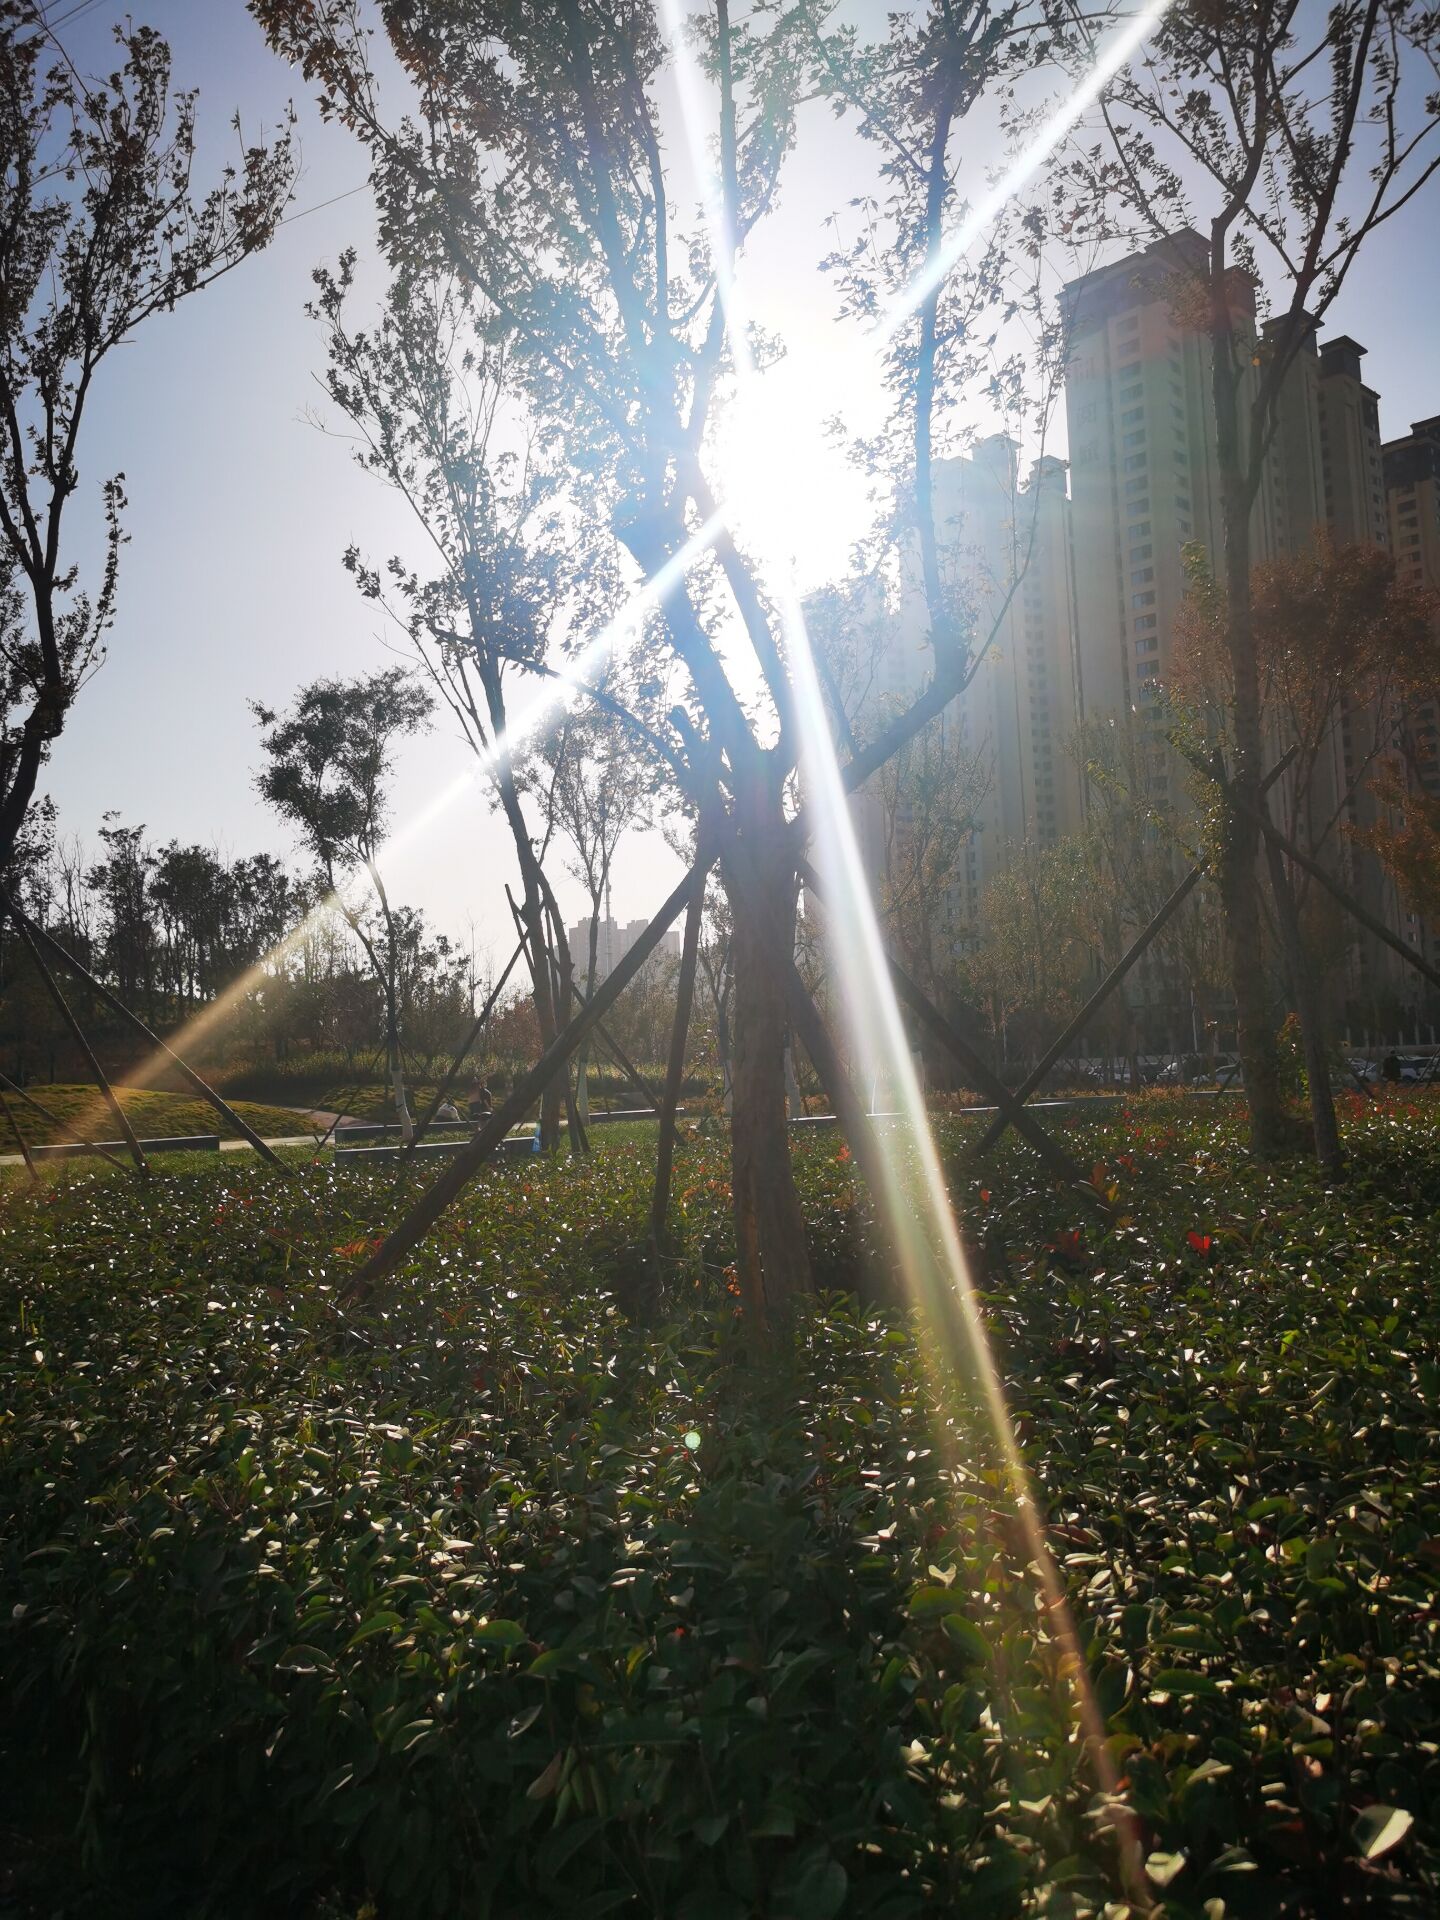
pixel 502 1601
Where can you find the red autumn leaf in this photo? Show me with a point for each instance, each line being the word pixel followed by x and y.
pixel 1201 1242
pixel 843 1155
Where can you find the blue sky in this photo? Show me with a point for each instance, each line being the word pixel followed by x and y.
pixel 232 588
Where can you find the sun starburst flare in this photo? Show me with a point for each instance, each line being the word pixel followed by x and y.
pixel 919 1217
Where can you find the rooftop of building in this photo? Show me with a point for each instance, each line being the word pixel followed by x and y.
pixel 1183 248
pixel 1421 431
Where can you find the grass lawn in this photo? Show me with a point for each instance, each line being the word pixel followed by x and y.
pixel 506 1599
pixel 154 1116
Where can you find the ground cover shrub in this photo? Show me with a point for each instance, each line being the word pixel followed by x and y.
pixel 503 1601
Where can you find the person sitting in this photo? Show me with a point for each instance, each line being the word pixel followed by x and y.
pixel 481 1104
pixel 1390 1068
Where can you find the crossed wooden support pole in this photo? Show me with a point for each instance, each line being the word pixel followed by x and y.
pixel 452 1074
pixel 1134 952
pixel 467 1161
pixel 980 1075
pixel 805 1016
pixel 1260 818
pixel 50 946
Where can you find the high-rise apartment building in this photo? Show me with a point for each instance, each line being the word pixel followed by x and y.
pixel 1144 484
pixel 1084 592
pixel 1143 481
pixel 1411 468
pixel 1292 493
pixel 1354 512
pixel 1350 451
pixel 613 942
pixel 1412 495
pixel 1005 557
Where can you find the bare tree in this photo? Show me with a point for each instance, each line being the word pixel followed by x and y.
pixel 99 232
pixel 440 421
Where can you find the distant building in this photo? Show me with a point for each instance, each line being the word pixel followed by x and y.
pixel 612 945
pixel 1145 484
pixel 1411 468
pixel 1412 494
pixel 1350 448
pixel 1076 596
pixel 1005 554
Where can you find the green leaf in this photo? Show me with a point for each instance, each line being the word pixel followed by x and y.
pixel 927 1602
pixel 501 1633
pixel 967 1639
pixel 545 1782
pixel 1379 1829
pixel 1179 1680
pixel 385 1621
pixel 818 1893
pixel 775 1823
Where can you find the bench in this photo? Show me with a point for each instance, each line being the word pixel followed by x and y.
pixel 511 1148
pixel 177 1143
pixel 383 1129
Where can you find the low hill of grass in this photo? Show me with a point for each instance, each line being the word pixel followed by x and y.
pixel 84 1115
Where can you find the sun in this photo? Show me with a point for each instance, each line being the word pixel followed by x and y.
pixel 793 499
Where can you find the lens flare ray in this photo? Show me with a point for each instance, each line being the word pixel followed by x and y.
pixel 922 1225
pixel 1117 52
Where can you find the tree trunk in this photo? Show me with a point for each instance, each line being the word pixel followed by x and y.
pixel 772 1264
pixel 1240 848
pixel 1328 1150
pixel 592 964
pixel 530 919
pixel 561 989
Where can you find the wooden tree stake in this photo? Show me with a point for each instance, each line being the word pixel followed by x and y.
pixel 65 1131
pixel 468 1160
pixel 117 1005
pixel 675 1072
pixel 20 1140
pixel 77 1033
pixel 1117 973
pixel 460 1058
